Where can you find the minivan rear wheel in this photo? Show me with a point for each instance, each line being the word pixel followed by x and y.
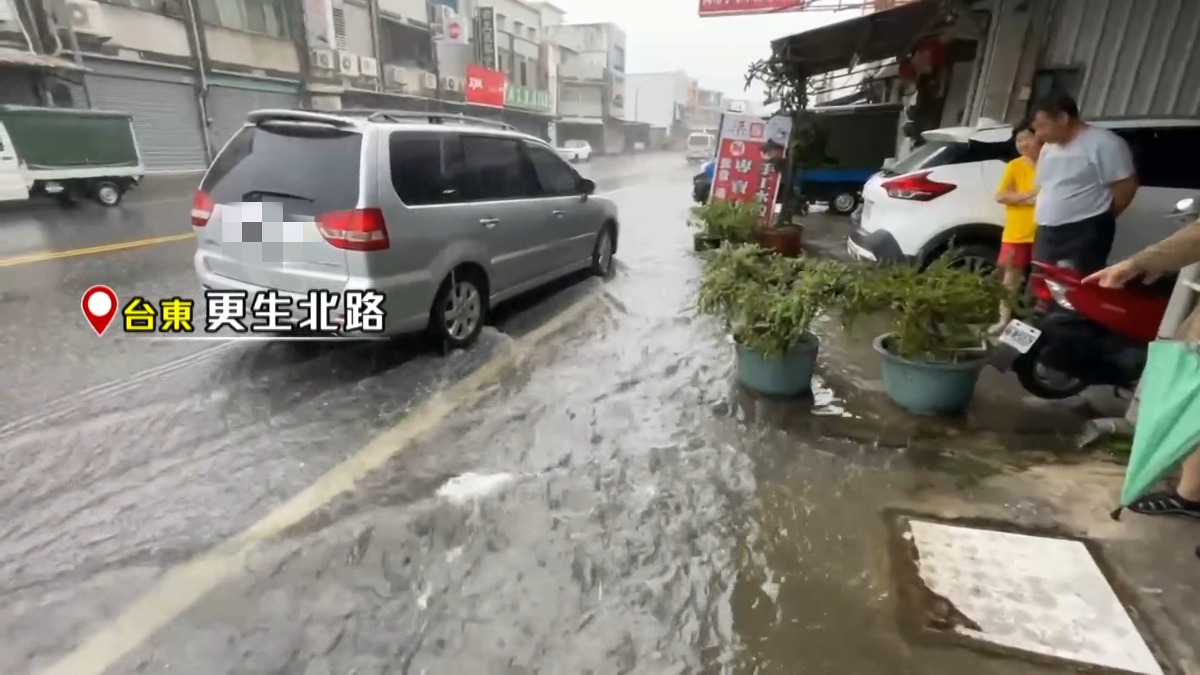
pixel 459 310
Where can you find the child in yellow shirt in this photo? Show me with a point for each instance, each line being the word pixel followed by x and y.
pixel 1017 192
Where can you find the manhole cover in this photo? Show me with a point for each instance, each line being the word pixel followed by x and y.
pixel 1043 596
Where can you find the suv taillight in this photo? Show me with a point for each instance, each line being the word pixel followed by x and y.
pixel 202 208
pixel 355 230
pixel 917 187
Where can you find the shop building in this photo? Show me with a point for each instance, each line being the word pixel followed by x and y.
pixel 659 100
pixel 591 84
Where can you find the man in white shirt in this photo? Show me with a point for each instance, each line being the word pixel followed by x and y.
pixel 1085 179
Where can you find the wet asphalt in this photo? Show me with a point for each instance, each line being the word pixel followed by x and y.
pixel 611 504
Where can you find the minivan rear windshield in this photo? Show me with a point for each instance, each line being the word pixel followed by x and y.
pixel 310 169
pixel 699 141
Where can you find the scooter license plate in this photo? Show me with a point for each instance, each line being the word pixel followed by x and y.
pixel 1019 335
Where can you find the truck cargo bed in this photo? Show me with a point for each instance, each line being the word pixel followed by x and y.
pixel 58 139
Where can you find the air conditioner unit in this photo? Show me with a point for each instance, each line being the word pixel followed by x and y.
pixel 431 81
pixel 323 59
pixel 393 76
pixel 86 18
pixel 348 64
pixel 452 84
pixel 368 66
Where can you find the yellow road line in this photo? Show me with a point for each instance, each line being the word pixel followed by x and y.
pixel 187 584
pixel 93 250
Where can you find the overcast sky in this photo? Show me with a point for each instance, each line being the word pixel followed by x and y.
pixel 668 34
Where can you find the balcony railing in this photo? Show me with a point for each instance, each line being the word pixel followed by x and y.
pixel 581 71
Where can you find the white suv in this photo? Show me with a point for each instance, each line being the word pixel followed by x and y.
pixel 940 200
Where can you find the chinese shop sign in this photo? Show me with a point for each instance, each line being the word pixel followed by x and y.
pixel 744 172
pixel 527 98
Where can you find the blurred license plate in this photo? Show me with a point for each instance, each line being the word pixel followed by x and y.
pixel 1019 335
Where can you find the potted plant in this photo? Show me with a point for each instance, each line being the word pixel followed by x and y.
pixel 721 220
pixel 936 349
pixel 784 239
pixel 768 302
pixel 785 84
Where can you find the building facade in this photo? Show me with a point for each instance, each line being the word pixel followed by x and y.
pixel 591 84
pixel 705 112
pixel 660 100
pixel 188 71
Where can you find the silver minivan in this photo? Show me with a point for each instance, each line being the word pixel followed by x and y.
pixel 442 215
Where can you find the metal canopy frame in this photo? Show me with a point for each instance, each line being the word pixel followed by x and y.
pixel 866 39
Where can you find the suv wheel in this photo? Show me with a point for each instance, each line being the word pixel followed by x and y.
pixel 602 253
pixel 979 258
pixel 459 310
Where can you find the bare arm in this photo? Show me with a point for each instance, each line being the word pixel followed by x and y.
pixel 1123 192
pixel 1007 195
pixel 1171 254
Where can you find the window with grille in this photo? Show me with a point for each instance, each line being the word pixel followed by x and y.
pixel 339 27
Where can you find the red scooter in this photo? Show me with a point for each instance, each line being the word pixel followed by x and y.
pixel 1080 335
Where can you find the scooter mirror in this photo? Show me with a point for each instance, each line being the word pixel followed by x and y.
pixel 1186 208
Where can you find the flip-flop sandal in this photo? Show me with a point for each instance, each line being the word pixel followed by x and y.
pixel 1165 503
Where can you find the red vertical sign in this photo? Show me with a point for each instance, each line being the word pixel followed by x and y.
pixel 744 172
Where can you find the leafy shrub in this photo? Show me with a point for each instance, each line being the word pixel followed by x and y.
pixel 728 221
pixel 769 302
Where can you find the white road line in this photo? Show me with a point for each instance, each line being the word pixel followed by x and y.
pixel 187 584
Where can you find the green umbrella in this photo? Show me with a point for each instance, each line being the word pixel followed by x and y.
pixel 1168 419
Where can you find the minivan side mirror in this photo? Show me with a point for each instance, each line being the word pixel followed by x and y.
pixel 889 163
pixel 587 186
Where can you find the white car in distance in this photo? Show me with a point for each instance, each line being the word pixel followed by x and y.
pixel 576 151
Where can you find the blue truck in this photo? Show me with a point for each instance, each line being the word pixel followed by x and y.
pixel 859 139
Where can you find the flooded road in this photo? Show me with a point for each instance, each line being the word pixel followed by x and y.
pixel 602 500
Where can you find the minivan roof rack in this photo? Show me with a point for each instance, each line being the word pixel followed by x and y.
pixel 381 115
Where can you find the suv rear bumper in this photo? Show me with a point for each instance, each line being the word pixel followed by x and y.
pixel 878 246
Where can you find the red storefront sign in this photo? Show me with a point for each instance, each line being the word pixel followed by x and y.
pixel 744 172
pixel 485 86
pixel 731 7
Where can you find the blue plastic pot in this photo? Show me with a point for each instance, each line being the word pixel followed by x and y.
pixel 928 388
pixel 787 375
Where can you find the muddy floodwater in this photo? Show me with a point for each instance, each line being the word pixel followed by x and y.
pixel 608 502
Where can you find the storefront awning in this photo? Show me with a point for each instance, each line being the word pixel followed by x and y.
pixel 17 57
pixel 865 39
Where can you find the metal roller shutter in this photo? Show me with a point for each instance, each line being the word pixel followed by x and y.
pixel 166 119
pixel 1139 59
pixel 228 107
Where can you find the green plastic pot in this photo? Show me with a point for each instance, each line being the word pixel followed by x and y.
pixel 928 388
pixel 786 375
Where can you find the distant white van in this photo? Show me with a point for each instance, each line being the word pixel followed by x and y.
pixel 701 147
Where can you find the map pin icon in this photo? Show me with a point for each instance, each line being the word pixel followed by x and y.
pixel 99 307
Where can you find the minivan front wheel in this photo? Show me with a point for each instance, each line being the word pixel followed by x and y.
pixel 602 253
pixel 459 310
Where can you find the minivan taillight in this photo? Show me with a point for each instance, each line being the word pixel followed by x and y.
pixel 355 230
pixel 202 208
pixel 917 187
